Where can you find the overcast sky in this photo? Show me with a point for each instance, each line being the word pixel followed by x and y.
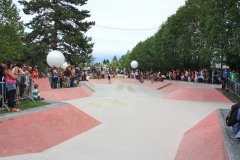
pixel 120 25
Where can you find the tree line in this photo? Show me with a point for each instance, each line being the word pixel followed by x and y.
pixel 200 34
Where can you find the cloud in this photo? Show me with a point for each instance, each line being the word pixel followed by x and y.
pixel 127 14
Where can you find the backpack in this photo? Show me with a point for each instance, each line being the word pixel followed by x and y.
pixel 231 118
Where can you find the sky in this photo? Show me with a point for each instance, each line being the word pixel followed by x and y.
pixel 121 25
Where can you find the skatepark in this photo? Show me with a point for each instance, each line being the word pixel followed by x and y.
pixel 124 120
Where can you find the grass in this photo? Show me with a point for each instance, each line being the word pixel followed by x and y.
pixel 27 104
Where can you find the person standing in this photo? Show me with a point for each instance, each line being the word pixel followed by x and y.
pixel 109 78
pixel 24 80
pixel 60 76
pixel 55 77
pixel 35 73
pixel 11 86
pixel 51 76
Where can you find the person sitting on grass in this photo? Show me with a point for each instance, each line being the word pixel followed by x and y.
pixel 36 94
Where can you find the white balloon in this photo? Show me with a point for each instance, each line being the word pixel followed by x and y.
pixel 134 64
pixel 55 58
pixel 64 66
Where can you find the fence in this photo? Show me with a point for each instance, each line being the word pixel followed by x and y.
pixel 3 98
pixel 24 87
pixel 233 87
pixel 19 92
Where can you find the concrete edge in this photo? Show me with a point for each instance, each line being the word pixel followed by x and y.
pixel 232 145
pixel 88 85
pixel 10 115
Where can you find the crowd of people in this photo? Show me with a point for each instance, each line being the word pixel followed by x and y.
pixel 229 79
pixel 71 75
pixel 215 76
pixel 19 76
pixel 16 83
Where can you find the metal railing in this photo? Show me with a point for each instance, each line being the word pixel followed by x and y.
pixel 24 88
pixel 3 97
pixel 233 87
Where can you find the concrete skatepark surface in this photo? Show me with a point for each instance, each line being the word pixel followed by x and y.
pixel 132 121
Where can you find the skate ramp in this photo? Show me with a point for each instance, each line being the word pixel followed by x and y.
pixel 39 131
pixel 182 92
pixel 87 84
pixel 65 94
pixel 204 141
pixel 43 84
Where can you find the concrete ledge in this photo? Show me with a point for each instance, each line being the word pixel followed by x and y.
pixel 88 85
pixel 10 115
pixel 232 145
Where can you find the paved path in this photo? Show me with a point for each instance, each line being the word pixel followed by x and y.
pixel 137 123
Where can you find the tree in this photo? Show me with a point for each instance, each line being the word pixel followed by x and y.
pixel 115 59
pixel 11 31
pixel 104 61
pixel 201 33
pixel 233 24
pixel 59 25
pixel 9 16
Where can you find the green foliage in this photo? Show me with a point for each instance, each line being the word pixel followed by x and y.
pixel 34 55
pixel 11 31
pixel 9 16
pixel 60 25
pixel 199 34
pixel 105 61
pixel 115 59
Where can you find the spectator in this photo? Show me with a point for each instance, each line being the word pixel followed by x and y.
pixel 60 77
pixel 55 77
pixel 233 76
pixel 24 82
pixel 11 86
pixel 36 93
pixel 73 76
pixel 51 76
pixel 17 70
pixel 35 73
pixel 66 77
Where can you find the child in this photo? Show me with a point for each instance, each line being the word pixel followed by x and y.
pixel 36 94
